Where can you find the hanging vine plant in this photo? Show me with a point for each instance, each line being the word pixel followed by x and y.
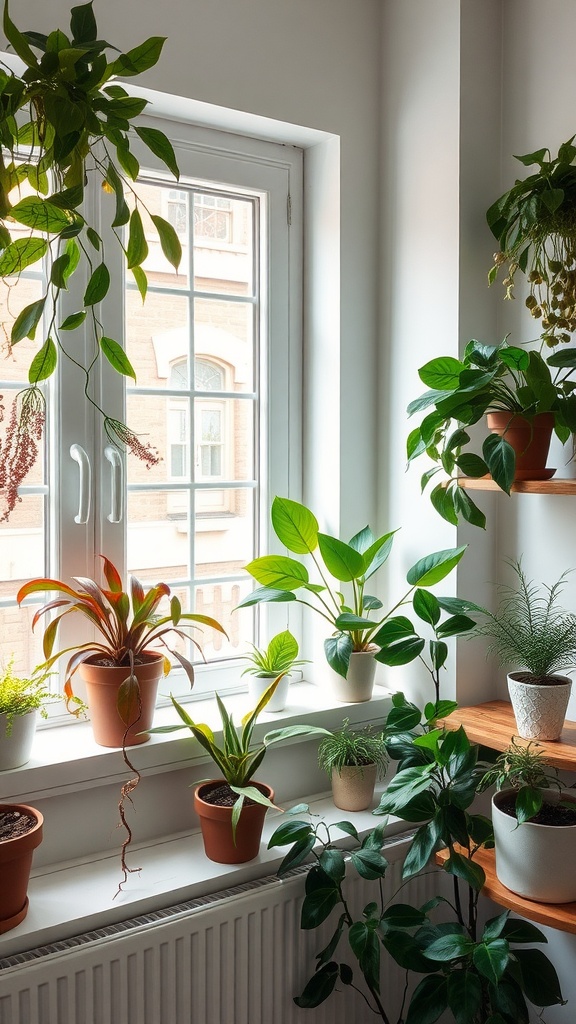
pixel 62 121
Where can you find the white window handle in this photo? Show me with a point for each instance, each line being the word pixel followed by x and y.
pixel 84 483
pixel 116 484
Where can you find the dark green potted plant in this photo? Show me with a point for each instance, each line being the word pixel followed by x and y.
pixel 64 120
pixel 267 663
pixel 355 638
pixel 231 809
pixel 353 759
pixel 514 386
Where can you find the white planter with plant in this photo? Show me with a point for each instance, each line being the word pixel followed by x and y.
pixel 266 663
pixel 534 823
pixel 20 699
pixel 353 760
pixel 529 630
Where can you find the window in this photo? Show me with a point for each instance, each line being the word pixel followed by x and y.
pixel 232 312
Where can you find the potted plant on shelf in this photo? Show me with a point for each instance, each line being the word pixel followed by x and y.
pixel 21 697
pixel 534 822
pixel 523 403
pixel 355 638
pixel 531 631
pixel 353 759
pixel 231 809
pixel 267 663
pixel 20 834
pixel 65 120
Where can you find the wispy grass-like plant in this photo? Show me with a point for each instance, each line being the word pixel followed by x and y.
pixel 349 748
pixel 529 629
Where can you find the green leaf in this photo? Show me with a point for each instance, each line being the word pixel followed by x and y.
pixel 442 374
pixel 348 827
pixel 449 947
pixel 327 953
pixel 137 250
pixel 141 281
pixel 266 595
pixel 332 862
pixel 44 362
pixel 278 572
pixel 442 499
pixel 40 215
pixel 117 357
pixel 464 995
pixel 122 215
pixel 320 899
pixel 169 241
pixel 516 930
pixel 319 988
pixel 465 869
pixel 422 847
pixel 21 254
pixel 472 465
pixel 455 626
pixel 338 650
pixel 435 567
pixel 94 238
pixel 429 1001
pixel 160 146
pixel 73 321
pixel 27 321
pixel 17 40
pixel 58 274
pixel 348 621
pixel 341 560
pixel 401 653
pixel 297 855
pixel 426 606
pixel 405 785
pixel 83 24
pixel 464 506
pixel 491 959
pixel 295 526
pixel 98 285
pixel 397 628
pixel 366 948
pixel 500 459
pixel 401 915
pixel 137 60
pixel 369 863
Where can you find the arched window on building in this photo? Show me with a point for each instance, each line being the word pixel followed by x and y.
pixel 211 452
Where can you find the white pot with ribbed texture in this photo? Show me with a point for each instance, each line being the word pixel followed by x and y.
pixel 535 861
pixel 539 709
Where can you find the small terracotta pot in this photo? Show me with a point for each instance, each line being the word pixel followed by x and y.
pixel 530 439
pixel 353 787
pixel 359 682
pixel 15 748
pixel 216 825
pixel 15 864
pixel 102 685
pixel 539 709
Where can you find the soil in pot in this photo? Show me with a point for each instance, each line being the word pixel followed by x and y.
pixel 213 803
pixel 15 823
pixel 549 814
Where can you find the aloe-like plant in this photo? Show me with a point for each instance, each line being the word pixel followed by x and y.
pixel 285 579
pixel 235 757
pixel 64 121
pixel 279 657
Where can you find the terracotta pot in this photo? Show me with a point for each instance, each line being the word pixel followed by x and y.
pixel 539 709
pixel 15 863
pixel 353 787
pixel 16 747
pixel 530 439
pixel 258 684
pixel 535 861
pixel 216 825
pixel 359 682
pixel 102 685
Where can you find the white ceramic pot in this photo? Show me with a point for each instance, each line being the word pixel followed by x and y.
pixel 359 682
pixel 353 787
pixel 258 684
pixel 15 749
pixel 539 710
pixel 535 861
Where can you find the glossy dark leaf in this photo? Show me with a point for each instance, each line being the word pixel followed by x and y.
pixel 501 460
pixel 539 979
pixel 139 59
pixel 338 650
pixel 318 905
pixel 98 285
pixel 366 948
pixel 369 863
pixel 320 987
pixel 297 854
pixel 326 955
pixel 426 606
pixel 332 862
pixel 464 995
pixel 137 249
pixel 435 567
pixel 491 959
pixel 289 832
pixel 158 144
pixel 429 1001
pixel 27 321
pixel 73 321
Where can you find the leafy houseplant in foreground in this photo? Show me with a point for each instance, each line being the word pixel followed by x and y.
pixel 478 975
pixel 530 631
pixel 65 121
pixel 500 379
pixel 337 562
pixel 534 825
pixel 353 759
pixel 20 698
pixel 266 663
pixel 232 809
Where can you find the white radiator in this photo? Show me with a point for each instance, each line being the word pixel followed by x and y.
pixel 235 958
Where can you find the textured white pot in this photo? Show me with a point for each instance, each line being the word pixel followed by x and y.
pixel 258 684
pixel 535 861
pixel 16 748
pixel 353 787
pixel 359 682
pixel 539 710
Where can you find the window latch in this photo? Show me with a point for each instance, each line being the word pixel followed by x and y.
pixel 116 484
pixel 84 483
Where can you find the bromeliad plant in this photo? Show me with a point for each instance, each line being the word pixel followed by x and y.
pixel 353 563
pixel 477 975
pixel 489 378
pixel 64 121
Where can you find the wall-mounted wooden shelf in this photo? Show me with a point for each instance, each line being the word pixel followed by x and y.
pixel 553 486
pixel 556 915
pixel 493 725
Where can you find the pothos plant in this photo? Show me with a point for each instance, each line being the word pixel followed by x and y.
pixel 479 975
pixel 64 121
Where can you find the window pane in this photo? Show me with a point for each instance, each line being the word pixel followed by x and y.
pixel 166 203
pixel 223 333
pixel 223 244
pixel 224 539
pixel 158 535
pixel 22 557
pixel 15 361
pixel 157 336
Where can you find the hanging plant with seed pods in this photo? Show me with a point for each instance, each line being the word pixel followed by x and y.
pixel 63 121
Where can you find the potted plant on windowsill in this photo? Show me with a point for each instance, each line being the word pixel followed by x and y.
pixel 20 834
pixel 523 403
pixel 66 120
pixel 268 663
pixel 534 820
pixel 232 808
pixel 355 639
pixel 531 631
pixel 21 697
pixel 353 759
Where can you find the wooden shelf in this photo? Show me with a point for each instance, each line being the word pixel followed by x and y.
pixel 556 915
pixel 553 486
pixel 493 725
